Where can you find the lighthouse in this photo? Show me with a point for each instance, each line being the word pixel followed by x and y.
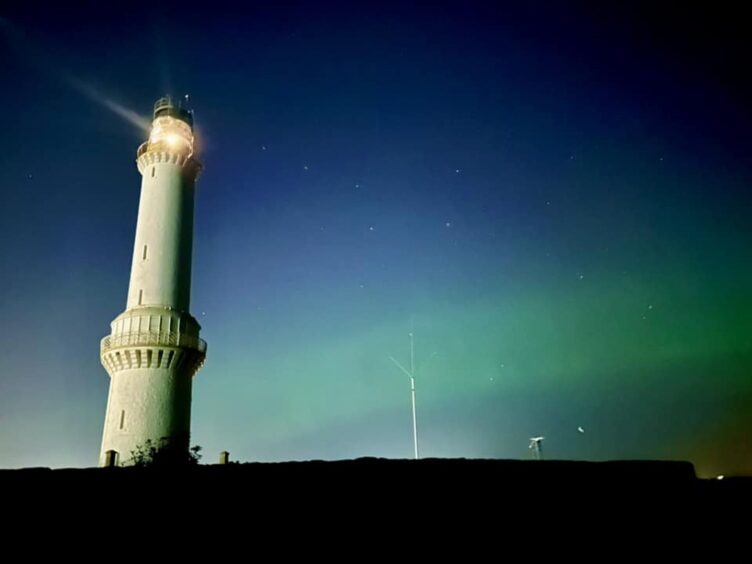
pixel 154 350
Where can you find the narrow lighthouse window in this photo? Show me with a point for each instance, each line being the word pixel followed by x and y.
pixel 140 296
pixel 122 419
pixel 144 252
pixel 152 171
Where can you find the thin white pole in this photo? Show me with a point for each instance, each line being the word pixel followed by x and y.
pixel 412 391
pixel 415 421
pixel 411 374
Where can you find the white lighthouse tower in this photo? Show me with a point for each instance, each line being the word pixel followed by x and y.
pixel 154 349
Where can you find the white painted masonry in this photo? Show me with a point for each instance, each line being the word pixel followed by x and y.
pixel 154 349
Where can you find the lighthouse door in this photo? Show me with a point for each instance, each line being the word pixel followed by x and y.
pixel 110 458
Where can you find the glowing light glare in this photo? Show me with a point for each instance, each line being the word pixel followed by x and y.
pixel 155 136
pixel 174 133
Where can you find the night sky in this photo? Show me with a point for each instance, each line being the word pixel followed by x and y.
pixel 556 200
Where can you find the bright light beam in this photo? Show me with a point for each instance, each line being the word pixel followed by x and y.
pixel 118 109
pixel 39 58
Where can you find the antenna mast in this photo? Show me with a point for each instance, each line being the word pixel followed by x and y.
pixel 411 374
pixel 412 393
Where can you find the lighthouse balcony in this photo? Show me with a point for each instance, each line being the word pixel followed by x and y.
pixel 149 338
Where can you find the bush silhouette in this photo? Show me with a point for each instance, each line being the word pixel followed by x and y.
pixel 166 453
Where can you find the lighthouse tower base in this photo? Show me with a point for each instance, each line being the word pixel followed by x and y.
pixel 151 357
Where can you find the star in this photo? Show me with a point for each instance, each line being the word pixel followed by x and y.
pixel 581 276
pixel 457 170
pixel 305 167
pixel 371 228
pixel 357 185
pixel 263 147
pixel 650 306
pixel 448 224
